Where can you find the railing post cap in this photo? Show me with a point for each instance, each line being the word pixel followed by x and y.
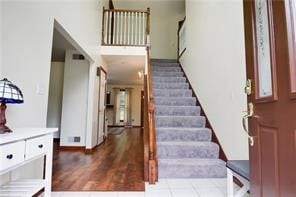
pixel 151 106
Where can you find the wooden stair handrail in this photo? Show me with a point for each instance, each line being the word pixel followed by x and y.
pixel 150 148
pixel 153 164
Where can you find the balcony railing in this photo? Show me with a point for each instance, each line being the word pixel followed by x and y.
pixel 125 27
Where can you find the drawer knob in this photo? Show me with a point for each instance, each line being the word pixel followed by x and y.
pixel 40 146
pixel 9 156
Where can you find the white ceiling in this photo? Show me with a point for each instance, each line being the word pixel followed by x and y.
pixel 123 69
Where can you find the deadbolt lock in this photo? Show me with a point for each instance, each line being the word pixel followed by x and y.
pixel 248 87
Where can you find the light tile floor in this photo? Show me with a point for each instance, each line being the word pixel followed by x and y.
pixel 165 188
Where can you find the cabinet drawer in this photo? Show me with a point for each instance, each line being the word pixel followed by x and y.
pixel 11 154
pixel 36 146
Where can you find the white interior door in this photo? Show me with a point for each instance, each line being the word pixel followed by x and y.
pixel 102 107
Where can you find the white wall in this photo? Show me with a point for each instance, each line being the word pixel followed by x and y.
pixel 75 96
pixel 1 45
pixel 55 97
pixel 165 15
pixel 27 38
pixel 29 52
pixel 135 106
pixel 215 64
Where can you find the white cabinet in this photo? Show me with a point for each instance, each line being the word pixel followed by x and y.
pixel 37 146
pixel 11 154
pixel 21 147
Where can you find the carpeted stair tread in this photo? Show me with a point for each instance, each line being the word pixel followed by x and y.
pixel 172 93
pixel 157 60
pixel 165 64
pixel 166 68
pixel 184 145
pixel 191 168
pixel 183 134
pixel 168 79
pixel 167 74
pixel 180 121
pixel 165 110
pixel 190 149
pixel 183 101
pixel 163 86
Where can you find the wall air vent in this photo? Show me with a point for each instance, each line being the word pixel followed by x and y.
pixel 78 57
pixel 75 139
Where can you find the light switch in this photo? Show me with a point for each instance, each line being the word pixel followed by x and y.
pixel 40 89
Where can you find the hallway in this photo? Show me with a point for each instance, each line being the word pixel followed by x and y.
pixel 116 165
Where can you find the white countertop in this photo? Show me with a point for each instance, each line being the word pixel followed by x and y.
pixel 24 133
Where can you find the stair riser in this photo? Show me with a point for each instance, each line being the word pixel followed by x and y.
pixel 170 86
pixel 167 74
pixel 181 136
pixel 179 171
pixel 210 151
pixel 177 111
pixel 189 122
pixel 169 79
pixel 172 93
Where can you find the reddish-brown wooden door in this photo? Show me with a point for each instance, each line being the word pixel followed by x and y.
pixel 272 125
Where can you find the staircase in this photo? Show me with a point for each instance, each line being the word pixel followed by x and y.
pixel 184 145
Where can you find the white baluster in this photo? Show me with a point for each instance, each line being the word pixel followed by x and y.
pixel 140 29
pixel 114 27
pixel 120 28
pixel 143 28
pixel 104 29
pixel 127 27
pixel 105 33
pixel 132 28
pixel 109 27
pixel 124 28
pixel 137 28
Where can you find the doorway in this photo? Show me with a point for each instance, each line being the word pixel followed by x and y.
pixel 68 92
pixel 116 163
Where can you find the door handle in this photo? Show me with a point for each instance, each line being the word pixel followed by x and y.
pixel 245 118
pixel 248 87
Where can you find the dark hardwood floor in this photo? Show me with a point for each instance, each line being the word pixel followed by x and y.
pixel 116 165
